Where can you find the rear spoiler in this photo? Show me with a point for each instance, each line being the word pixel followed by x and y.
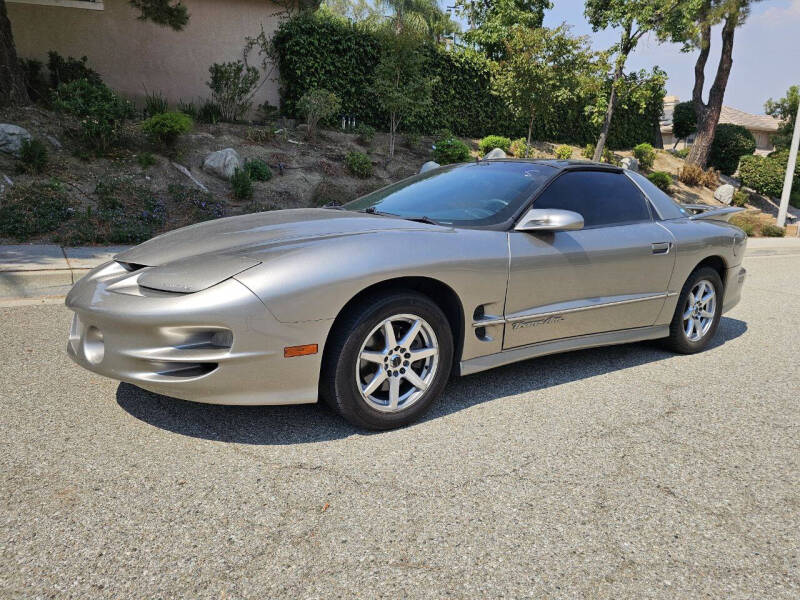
pixel 713 213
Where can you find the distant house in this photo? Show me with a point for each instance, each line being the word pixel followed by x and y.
pixel 763 127
pixel 133 55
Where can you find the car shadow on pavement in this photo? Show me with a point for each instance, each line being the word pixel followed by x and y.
pixel 309 423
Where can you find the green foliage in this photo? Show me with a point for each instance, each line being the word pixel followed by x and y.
pixel 495 19
pixel 365 133
pixel 563 152
pixel 33 156
pixel 358 164
pixel 588 151
pixel 257 170
pixel 318 105
pixel 731 142
pixel 661 180
pixel 232 87
pixel 200 205
pixel 34 209
pixel 794 198
pixel 746 222
pixel 645 154
pixel 66 70
pixel 127 213
pixel 490 142
pixel 154 104
pixel 519 148
pixel 765 174
pixel 99 109
pixel 241 185
pixel 35 82
pixel 682 153
pixel 162 12
pixel 610 158
pixel 450 150
pixel 684 120
pixel 412 140
pixel 786 110
pixel 145 159
pixel 188 108
pixel 165 128
pixel 209 112
pixel 770 230
pixel 740 198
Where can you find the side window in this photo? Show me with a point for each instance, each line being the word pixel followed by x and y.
pixel 603 198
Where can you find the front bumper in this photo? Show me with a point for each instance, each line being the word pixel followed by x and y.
pixel 219 345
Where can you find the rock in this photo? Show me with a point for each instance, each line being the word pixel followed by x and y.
pixel 496 153
pixel 222 163
pixel 630 163
pixel 724 193
pixel 11 137
pixel 428 166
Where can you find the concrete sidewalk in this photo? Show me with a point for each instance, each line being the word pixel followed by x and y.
pixel 32 271
pixel 28 271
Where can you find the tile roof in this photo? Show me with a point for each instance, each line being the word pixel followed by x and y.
pixel 739 117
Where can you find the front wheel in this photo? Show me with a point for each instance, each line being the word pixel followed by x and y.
pixel 387 360
pixel 698 312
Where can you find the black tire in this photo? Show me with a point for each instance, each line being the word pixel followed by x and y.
pixel 338 386
pixel 678 340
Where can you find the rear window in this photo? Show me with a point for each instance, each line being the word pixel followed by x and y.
pixel 665 206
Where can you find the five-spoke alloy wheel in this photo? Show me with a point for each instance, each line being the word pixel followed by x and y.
pixel 387 359
pixel 697 313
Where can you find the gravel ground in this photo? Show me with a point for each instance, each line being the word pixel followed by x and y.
pixel 624 472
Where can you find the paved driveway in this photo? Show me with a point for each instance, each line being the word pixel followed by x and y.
pixel 620 472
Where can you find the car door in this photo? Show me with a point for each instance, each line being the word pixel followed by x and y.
pixel 612 274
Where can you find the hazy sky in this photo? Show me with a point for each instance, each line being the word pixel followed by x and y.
pixel 766 53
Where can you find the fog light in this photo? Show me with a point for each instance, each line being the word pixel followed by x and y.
pixel 93 346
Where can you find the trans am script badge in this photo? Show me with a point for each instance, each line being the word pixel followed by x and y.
pixel 536 322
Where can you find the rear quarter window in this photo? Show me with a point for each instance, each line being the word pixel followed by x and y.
pixel 666 207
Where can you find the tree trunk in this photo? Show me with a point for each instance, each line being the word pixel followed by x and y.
pixel 612 101
pixel 708 113
pixel 530 130
pixel 12 80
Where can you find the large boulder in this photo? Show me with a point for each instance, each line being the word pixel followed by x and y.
pixel 630 163
pixel 11 138
pixel 724 193
pixel 428 166
pixel 496 153
pixel 222 163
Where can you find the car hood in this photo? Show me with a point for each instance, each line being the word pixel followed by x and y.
pixel 199 256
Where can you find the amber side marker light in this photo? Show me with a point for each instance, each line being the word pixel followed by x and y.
pixel 291 351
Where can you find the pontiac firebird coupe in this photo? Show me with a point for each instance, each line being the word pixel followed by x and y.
pixel 372 305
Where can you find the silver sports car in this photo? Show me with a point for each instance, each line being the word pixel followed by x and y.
pixel 374 304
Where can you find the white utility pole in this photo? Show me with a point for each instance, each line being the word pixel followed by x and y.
pixel 787 181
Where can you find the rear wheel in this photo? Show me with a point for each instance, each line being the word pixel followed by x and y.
pixel 697 313
pixel 387 360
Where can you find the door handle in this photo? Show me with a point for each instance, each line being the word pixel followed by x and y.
pixel 660 247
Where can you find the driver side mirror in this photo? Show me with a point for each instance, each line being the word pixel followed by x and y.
pixel 549 219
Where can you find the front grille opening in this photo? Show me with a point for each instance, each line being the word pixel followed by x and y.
pixel 131 267
pixel 187 370
pixel 207 340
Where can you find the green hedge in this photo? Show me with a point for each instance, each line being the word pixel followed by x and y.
pixel 315 50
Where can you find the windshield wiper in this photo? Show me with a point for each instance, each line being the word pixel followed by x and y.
pixel 371 210
pixel 422 219
pixel 334 205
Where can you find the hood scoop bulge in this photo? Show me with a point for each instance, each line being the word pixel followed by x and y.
pixel 196 273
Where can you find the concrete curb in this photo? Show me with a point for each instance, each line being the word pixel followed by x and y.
pixel 36 270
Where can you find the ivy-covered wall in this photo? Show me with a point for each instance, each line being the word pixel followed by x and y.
pixel 314 50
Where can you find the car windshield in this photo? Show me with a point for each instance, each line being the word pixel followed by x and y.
pixel 474 194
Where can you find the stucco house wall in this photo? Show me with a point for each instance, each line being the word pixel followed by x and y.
pixel 133 55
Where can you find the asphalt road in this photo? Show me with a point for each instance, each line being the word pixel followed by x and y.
pixel 624 473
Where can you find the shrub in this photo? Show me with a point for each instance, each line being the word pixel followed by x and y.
pixel 201 206
pixel 358 164
pixel 645 154
pixel 165 128
pixel 770 230
pixel 490 142
pixel 188 108
pixel 609 157
pixel 691 175
pixel 365 133
pixel 241 185
pixel 318 105
pixel 259 135
pixel 33 156
pixel 765 174
pixel 661 180
pixel 740 198
pixel 127 213
pixel 684 120
pixel 100 110
pixel 145 159
pixel 35 83
pixel 519 148
pixel 267 112
pixel 682 153
pixel 154 104
pixel 209 112
pixel 731 142
pixel 257 170
pixel 794 199
pixel 232 85
pixel 412 140
pixel 745 222
pixel 70 69
pixel 29 210
pixel 450 150
pixel 564 152
pixel 588 151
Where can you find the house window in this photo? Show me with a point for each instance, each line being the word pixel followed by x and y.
pixel 85 4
